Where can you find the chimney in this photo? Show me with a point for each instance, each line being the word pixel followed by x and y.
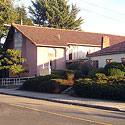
pixel 105 42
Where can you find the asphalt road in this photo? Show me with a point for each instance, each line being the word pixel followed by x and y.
pixel 24 111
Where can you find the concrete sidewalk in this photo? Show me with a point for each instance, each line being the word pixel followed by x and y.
pixel 66 99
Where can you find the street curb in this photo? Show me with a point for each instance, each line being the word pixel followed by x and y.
pixel 65 102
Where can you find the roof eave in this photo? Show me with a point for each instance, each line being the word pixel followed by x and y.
pixel 24 34
pixel 77 44
pixel 40 45
pixel 105 54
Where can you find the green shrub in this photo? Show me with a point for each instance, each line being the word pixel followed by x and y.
pixel 73 66
pixel 31 85
pixel 86 67
pixel 100 76
pixel 101 91
pixel 86 81
pixel 114 68
pixel 52 86
pixel 59 74
pixel 115 65
pixel 93 72
pixel 78 74
pixel 122 80
pixel 46 84
pixel 69 80
pixel 114 71
pixel 116 80
pixel 62 74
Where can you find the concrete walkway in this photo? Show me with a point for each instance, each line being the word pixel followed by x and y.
pixel 66 99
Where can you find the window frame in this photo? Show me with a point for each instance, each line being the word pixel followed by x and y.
pixel 95 63
pixel 123 60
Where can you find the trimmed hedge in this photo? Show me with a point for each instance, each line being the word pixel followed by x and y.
pixel 93 72
pixel 114 68
pixel 62 74
pixel 73 66
pixel 52 86
pixel 54 83
pixel 43 84
pixel 103 91
pixel 78 74
pixel 34 83
pixel 102 87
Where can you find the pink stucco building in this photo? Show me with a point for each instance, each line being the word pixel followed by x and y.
pixel 44 47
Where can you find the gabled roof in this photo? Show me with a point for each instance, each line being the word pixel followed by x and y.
pixel 61 37
pixel 114 49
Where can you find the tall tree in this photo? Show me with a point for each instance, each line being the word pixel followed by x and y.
pixel 55 13
pixel 10 14
pixel 22 16
pixel 7 16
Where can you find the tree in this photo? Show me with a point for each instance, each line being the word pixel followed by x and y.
pixel 10 14
pixel 11 60
pixel 7 16
pixel 22 16
pixel 55 13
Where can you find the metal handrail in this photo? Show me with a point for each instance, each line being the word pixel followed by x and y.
pixel 13 81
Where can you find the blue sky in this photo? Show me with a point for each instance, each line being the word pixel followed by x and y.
pixel 101 16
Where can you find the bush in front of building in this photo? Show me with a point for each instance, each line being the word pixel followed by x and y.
pixel 86 67
pixel 54 83
pixel 59 74
pixel 101 78
pixel 73 66
pixel 83 67
pixel 52 86
pixel 114 69
pixel 103 91
pixel 34 83
pixel 101 86
pixel 68 81
pixel 45 84
pixel 78 74
pixel 94 71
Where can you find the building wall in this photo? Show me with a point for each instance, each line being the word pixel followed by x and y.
pixel 44 57
pixel 102 59
pixel 79 52
pixel 30 53
pixel 37 56
pixel 60 59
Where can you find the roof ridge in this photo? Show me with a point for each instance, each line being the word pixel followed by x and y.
pixel 66 30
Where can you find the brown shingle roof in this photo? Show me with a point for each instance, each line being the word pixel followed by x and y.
pixel 114 49
pixel 60 37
